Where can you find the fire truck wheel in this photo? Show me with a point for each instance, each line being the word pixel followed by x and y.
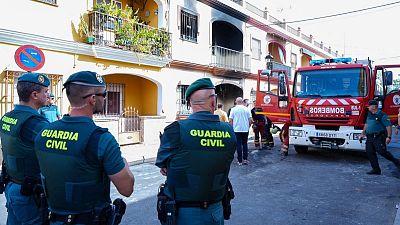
pixel 300 149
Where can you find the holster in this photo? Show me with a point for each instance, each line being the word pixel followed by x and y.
pixel 166 208
pixel 117 211
pixel 4 178
pixel 226 200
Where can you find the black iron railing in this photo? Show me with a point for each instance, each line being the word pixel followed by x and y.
pixel 115 32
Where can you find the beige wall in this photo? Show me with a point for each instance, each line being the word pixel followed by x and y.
pixel 139 93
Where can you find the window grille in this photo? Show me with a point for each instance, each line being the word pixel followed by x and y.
pixel 189 26
pixel 181 105
pixel 9 95
pixel 114 102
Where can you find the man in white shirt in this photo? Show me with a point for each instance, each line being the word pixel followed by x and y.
pixel 241 120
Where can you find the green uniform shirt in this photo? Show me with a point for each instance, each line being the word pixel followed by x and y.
pixel 377 122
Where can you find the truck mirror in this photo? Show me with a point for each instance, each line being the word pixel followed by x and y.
pixel 282 85
pixel 389 77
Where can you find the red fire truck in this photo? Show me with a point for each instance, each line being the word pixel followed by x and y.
pixel 326 102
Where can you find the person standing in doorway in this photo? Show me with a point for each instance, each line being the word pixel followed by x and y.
pixel 50 111
pixel 229 110
pixel 378 131
pixel 221 113
pixel 241 120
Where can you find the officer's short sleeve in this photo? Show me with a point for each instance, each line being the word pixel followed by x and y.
pixel 169 142
pixel 385 120
pixel 109 154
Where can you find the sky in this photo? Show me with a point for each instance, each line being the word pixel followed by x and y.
pixel 373 33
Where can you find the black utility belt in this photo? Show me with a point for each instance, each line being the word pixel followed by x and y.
pixel 83 218
pixel 201 204
pixel 376 134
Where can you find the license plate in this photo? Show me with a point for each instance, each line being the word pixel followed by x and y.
pixel 325 144
pixel 324 134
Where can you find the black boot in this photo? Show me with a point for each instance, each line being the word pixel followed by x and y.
pixel 374 172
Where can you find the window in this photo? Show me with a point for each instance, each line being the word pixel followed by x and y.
pixel 395 86
pixel 255 49
pixel 293 60
pixel 379 83
pixel 181 106
pixel 118 3
pixel 349 82
pixel 9 95
pixel 50 2
pixel 114 100
pixel 189 26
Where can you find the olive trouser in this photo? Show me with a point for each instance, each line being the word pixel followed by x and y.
pixel 377 143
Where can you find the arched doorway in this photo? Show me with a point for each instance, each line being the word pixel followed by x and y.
pixel 227 94
pixel 130 91
pixel 277 51
pixel 305 60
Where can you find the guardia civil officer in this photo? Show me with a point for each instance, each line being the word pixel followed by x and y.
pixel 78 158
pixel 19 128
pixel 378 131
pixel 195 154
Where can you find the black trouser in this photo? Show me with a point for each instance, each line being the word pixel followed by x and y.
pixel 241 147
pixel 268 136
pixel 377 143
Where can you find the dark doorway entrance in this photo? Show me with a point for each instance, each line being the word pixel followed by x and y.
pixel 227 93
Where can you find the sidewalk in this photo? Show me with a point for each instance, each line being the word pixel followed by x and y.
pixel 139 153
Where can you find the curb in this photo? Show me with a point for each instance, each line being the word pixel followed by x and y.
pixel 144 160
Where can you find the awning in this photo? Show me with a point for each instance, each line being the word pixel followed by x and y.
pixel 307 52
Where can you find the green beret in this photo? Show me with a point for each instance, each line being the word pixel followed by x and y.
pixel 36 78
pixel 87 78
pixel 203 83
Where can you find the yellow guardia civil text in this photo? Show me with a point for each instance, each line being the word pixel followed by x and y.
pixel 7 122
pixel 211 138
pixel 57 139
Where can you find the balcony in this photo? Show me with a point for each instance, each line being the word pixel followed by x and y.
pixel 118 33
pixel 229 59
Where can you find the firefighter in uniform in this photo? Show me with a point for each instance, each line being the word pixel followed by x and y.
pixel 19 128
pixel 284 136
pixel 78 158
pixel 268 134
pixel 195 154
pixel 378 131
pixel 259 128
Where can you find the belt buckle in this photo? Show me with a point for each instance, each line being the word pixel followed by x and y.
pixel 204 205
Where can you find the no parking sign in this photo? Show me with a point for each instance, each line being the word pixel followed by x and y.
pixel 29 58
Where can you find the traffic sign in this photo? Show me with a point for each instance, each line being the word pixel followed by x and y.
pixel 29 58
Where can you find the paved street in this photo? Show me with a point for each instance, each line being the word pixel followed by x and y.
pixel 320 187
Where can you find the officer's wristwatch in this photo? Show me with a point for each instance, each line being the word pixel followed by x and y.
pixel 389 137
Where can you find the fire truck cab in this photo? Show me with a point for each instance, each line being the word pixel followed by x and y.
pixel 327 107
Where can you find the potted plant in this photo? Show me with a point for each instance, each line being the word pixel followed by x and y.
pixel 84 32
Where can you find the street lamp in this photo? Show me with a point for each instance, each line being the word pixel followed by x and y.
pixel 269 59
